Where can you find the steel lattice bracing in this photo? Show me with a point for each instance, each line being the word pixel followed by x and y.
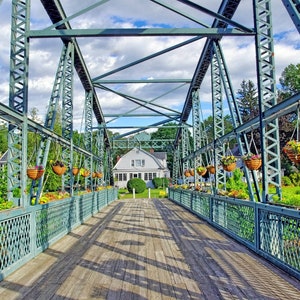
pixel 222 24
pixel 267 98
pixel 218 116
pixel 18 98
pixel 240 137
pixel 67 115
pixel 88 161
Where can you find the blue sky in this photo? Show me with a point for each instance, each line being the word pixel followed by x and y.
pixel 106 54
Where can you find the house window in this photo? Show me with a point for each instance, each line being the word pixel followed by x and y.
pixel 146 176
pixel 132 163
pixel 121 176
pixel 139 163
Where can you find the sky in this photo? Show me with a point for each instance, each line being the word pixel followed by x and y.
pixel 108 53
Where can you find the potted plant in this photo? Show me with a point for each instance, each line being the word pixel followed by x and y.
pixel 84 172
pixel 252 161
pixel 292 150
pixel 187 173
pixel 228 162
pixel 35 172
pixel 201 170
pixel 75 170
pixel 58 167
pixel 99 174
pixel 211 169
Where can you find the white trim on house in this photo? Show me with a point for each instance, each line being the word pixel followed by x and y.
pixel 138 163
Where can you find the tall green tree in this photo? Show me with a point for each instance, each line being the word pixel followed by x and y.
pixel 247 98
pixel 165 132
pixel 208 125
pixel 290 81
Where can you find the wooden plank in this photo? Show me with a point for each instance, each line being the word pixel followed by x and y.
pixel 148 249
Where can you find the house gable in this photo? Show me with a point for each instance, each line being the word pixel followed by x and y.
pixel 138 159
pixel 138 163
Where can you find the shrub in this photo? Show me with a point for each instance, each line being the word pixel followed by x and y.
pixel 286 181
pixel 295 178
pixel 157 182
pixel 136 183
pixel 160 182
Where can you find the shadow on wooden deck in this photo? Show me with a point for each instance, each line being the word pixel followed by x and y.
pixel 148 249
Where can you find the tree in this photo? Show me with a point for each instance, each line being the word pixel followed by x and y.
pixel 290 81
pixel 165 132
pixel 208 125
pixel 248 100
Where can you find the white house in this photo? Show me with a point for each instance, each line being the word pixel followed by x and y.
pixel 138 163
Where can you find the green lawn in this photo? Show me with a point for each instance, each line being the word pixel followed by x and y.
pixel 154 193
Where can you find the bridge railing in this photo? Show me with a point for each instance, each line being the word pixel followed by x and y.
pixel 26 232
pixel 271 231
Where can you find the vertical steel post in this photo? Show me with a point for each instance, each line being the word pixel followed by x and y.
pixel 18 100
pixel 271 167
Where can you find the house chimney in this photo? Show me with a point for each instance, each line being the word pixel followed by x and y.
pixel 151 150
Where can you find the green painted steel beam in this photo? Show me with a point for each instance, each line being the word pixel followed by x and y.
pixel 16 119
pixel 218 16
pixel 118 81
pixel 293 8
pixel 139 115
pixel 227 9
pixel 215 33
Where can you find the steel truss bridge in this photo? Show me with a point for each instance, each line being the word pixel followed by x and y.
pixel 210 63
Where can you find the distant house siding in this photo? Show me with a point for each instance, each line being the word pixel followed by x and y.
pixel 139 164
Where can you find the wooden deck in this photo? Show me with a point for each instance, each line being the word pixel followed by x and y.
pixel 148 249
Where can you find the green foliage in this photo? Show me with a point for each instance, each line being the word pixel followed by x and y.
pixel 286 181
pixel 160 182
pixel 295 179
pixel 3 139
pixel 4 203
pixel 247 96
pixel 236 183
pixel 290 80
pixel 157 182
pixel 154 193
pixel 136 183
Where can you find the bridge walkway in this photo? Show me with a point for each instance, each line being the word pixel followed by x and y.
pixel 148 249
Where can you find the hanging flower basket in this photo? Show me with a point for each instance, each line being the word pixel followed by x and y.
pixel 252 161
pixel 211 169
pixel 94 174
pixel 75 171
pixel 192 172
pixel 292 150
pixel 99 174
pixel 187 173
pixel 84 172
pixel 201 170
pixel 58 167
pixel 228 162
pixel 253 164
pixel 35 173
pixel 230 167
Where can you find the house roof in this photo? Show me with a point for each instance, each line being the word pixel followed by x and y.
pixel 157 159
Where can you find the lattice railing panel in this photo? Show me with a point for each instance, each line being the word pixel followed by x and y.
pixel 53 221
pixel 14 240
pixel 280 237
